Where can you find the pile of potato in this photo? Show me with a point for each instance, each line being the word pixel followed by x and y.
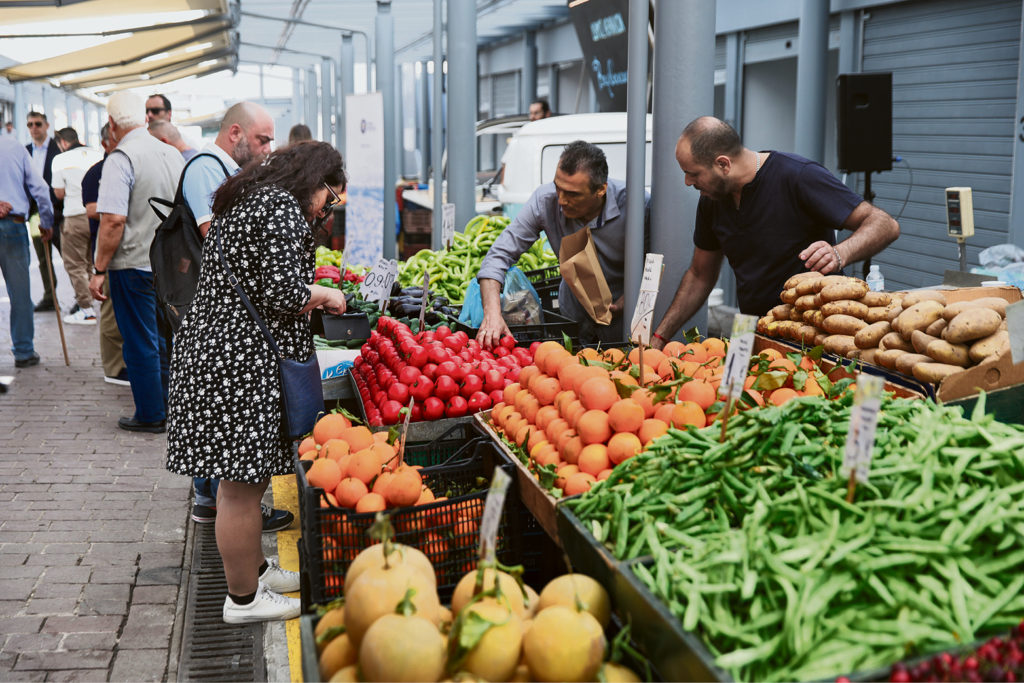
pixel 915 333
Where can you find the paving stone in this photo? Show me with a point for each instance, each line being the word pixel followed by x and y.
pixel 9 559
pixel 67 574
pixel 139 665
pixel 167 575
pixel 32 642
pixel 82 675
pixel 17 589
pixel 51 606
pixel 89 641
pixel 156 594
pixel 148 626
pixel 21 624
pixel 78 659
pixel 57 590
pixel 11 607
pixel 70 624
pixel 103 573
pixel 55 560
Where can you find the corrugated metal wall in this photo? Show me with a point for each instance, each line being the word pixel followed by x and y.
pixel 954 68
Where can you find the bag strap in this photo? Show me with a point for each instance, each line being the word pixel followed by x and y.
pixel 245 300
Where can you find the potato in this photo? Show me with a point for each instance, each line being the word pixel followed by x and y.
pixel 817 319
pixel 876 299
pixel 868 337
pixel 920 341
pixel 788 296
pixel 936 328
pixel 808 316
pixel 796 315
pixel 819 339
pixel 839 344
pixel 852 289
pixel 781 312
pixel 954 309
pixel 894 340
pixel 905 363
pixel 762 323
pixel 807 333
pixel 843 324
pixel 996 343
pixel 951 354
pixel 973 323
pixel 934 372
pixel 911 298
pixel 888 357
pixel 996 303
pixel 806 302
pixel 854 355
pixel 869 356
pixel 845 307
pixel 815 285
pixel 917 317
pixel 800 277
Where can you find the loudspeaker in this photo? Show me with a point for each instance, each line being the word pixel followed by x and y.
pixel 864 126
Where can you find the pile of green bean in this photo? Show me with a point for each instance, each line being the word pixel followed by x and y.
pixel 752 544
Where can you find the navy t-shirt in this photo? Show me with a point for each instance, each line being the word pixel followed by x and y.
pixel 791 203
pixel 90 193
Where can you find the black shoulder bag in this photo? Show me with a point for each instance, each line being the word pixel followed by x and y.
pixel 302 393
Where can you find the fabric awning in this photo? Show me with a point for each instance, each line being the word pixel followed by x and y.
pixel 202 69
pixel 34 11
pixel 120 53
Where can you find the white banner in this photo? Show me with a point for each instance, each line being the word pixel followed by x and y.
pixel 364 210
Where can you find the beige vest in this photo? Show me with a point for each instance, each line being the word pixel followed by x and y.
pixel 156 168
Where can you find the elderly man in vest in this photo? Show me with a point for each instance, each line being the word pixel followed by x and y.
pixel 140 167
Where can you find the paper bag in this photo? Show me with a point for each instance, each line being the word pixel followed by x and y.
pixel 581 270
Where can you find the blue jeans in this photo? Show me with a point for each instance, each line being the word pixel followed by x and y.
pixel 144 349
pixel 206 491
pixel 14 260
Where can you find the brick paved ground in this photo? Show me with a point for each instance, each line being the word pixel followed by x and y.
pixel 92 528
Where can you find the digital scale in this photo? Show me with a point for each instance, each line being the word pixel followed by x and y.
pixel 960 219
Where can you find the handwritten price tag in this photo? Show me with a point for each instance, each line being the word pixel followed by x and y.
pixel 425 299
pixel 737 361
pixel 447 224
pixel 643 314
pixel 377 284
pixel 860 440
pixel 492 515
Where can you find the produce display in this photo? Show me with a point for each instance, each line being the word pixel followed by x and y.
pixel 755 548
pixel 450 269
pixel 393 627
pixel 446 373
pixel 915 333
pixel 328 270
pixel 999 659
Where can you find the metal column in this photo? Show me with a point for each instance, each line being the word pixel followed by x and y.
pixel 462 109
pixel 384 44
pixel 309 95
pixel 636 152
pixel 811 76
pixel 326 99
pixel 734 49
pixel 346 85
pixel 398 134
pixel 553 87
pixel 529 83
pixel 684 88
pixel 423 120
pixel 296 97
pixel 437 124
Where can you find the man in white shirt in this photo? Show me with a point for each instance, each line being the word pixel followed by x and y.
pixel 68 169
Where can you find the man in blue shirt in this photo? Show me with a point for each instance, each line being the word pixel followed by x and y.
pixel 16 174
pixel 772 214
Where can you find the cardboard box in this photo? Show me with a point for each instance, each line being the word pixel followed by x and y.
pixel 1008 292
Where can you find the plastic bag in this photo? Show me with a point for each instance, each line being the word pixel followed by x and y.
pixel 1000 255
pixel 520 303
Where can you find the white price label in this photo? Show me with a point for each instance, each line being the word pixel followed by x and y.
pixel 492 515
pixel 860 440
pixel 425 299
pixel 643 314
pixel 737 361
pixel 447 224
pixel 377 284
pixel 1015 326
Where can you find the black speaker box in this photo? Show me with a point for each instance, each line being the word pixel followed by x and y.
pixel 864 126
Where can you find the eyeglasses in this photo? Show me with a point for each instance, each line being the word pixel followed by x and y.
pixel 36 124
pixel 155 110
pixel 331 203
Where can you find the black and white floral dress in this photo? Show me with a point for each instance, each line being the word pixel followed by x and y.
pixel 224 409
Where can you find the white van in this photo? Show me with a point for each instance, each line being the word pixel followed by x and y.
pixel 532 153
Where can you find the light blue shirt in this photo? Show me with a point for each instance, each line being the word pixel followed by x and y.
pixel 39 156
pixel 17 172
pixel 117 182
pixel 202 178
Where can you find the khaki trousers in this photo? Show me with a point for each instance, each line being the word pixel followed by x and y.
pixel 110 337
pixel 78 257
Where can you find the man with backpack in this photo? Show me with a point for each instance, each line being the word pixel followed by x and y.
pixel 245 135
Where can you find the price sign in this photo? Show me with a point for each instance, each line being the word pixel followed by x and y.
pixel 737 361
pixel 492 514
pixel 643 314
pixel 863 420
pixel 377 284
pixel 447 224
pixel 426 297
pixel 1015 326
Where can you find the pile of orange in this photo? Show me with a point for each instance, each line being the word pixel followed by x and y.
pixel 358 469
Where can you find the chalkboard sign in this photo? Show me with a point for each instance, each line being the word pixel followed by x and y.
pixel 601 26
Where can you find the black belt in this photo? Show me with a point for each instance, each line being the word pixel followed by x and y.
pixel 17 218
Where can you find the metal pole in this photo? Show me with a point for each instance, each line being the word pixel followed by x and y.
pixel 462 109
pixel 684 81
pixel 296 97
pixel 21 111
pixel 346 85
pixel 553 87
pixel 384 43
pixel 811 80
pixel 437 124
pixel 423 121
pixel 326 99
pixel 529 82
pixel 262 92
pixel 310 99
pixel 399 131
pixel 636 152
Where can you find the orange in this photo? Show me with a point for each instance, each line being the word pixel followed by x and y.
pixel 695 351
pixel 807 363
pixel 426 496
pixel 585 374
pixel 324 474
pixel 330 426
pixel 645 399
pixel 556 428
pixel 783 364
pixel 530 407
pixel 563 398
pixel 567 374
pixel 545 415
pixel 328 500
pixel 770 354
pixel 532 381
pixel 307 444
pixel 598 393
pixel 781 395
pixel 556 359
pixel 544 349
pixel 358 438
pixel 508 394
pixel 604 474
pixel 757 396
pixel 593 427
pixel 310 455
pixel 579 483
pixel 381 482
pixel 386 454
pixel 573 411
pixel 535 438
pixel 564 472
pixel 546 454
pixel 668 368
pixel 364 466
pixel 652 357
pixel 664 412
pixel 623 446
pixel 589 353
pixel 349 491
pixel 343 462
pixel 526 374
pixel 652 429
pixel 624 377
pixel 812 388
pixel 404 488
pixel 546 389
pixel 563 438
pixel 381 436
pixel 523 433
pixel 688 414
pixel 613 356
pixel 626 415
pixel 571 451
pixel 714 346
pixel 699 392
pixel 673 348
pixel 593 458
pixel 371 502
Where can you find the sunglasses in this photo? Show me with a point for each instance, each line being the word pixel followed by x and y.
pixel 332 202
pixel 155 110
pixel 36 124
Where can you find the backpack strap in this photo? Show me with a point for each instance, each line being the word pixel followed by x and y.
pixel 179 194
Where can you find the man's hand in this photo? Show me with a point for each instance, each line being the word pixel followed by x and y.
pixel 5 209
pixel 657 343
pixel 492 329
pixel 822 257
pixel 96 287
pixel 46 233
pixel 616 306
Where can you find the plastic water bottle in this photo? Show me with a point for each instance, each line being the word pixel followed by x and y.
pixel 875 280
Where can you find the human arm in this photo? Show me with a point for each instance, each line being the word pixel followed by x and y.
pixel 40 192
pixel 493 327
pixel 873 230
pixel 91 212
pixel 107 240
pixel 330 299
pixel 59 192
pixel 694 288
pixel 5 209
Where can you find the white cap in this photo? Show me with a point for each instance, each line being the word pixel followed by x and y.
pixel 127 110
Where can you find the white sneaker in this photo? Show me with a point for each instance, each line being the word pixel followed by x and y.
pixel 266 606
pixel 83 316
pixel 279 580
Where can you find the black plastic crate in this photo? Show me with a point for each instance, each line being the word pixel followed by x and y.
pixel 552 329
pixel 446 530
pixel 544 276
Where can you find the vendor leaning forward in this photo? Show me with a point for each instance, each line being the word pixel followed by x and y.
pixel 772 214
pixel 581 198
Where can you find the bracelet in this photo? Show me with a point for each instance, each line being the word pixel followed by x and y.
pixel 658 336
pixel 99 272
pixel 839 259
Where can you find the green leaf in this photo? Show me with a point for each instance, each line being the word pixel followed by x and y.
pixel 405 606
pixel 467 632
pixel 799 379
pixel 815 353
pixel 625 390
pixel 349 416
pixel 771 380
pixel 336 603
pixel 547 475
pixel 748 400
pixel 567 342
pixel 330 634
pixel 691 335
